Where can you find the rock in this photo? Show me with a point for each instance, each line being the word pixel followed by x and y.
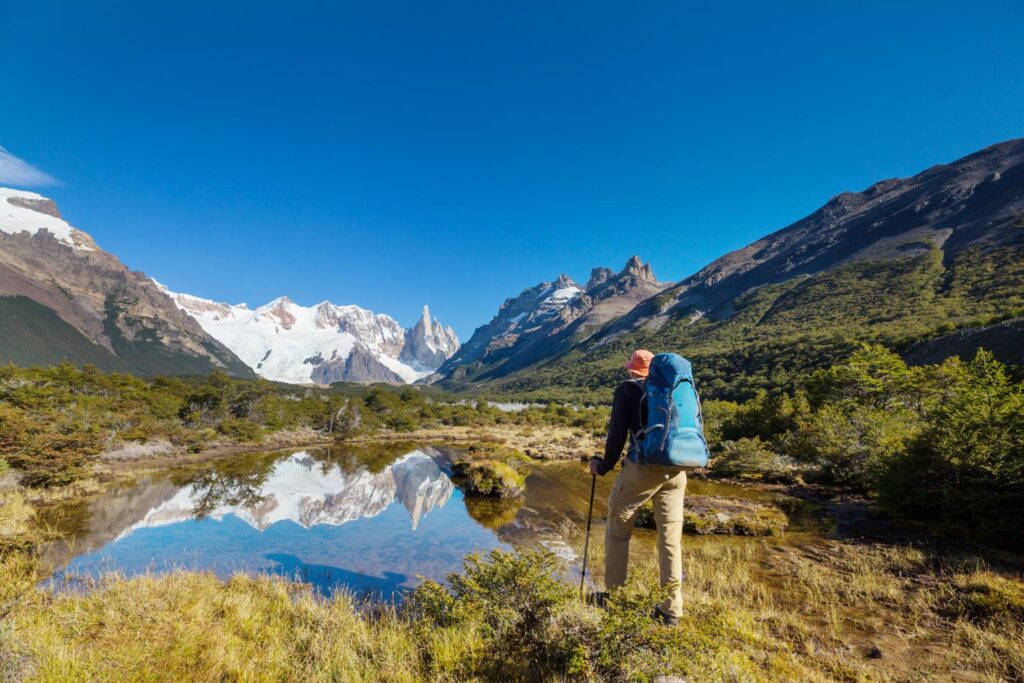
pixel 139 451
pixel 706 515
pixel 361 365
pixel 40 204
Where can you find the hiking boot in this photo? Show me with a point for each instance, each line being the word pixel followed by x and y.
pixel 598 599
pixel 666 619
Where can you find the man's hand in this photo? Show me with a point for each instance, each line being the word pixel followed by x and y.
pixel 593 467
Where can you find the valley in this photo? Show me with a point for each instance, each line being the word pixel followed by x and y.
pixel 861 382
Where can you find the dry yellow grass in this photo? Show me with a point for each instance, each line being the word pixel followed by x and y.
pixel 193 626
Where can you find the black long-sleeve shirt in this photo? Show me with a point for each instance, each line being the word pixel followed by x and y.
pixel 625 420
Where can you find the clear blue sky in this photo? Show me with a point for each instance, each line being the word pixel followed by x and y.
pixel 393 154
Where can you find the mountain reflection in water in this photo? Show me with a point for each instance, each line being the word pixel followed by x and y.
pixel 305 515
pixel 302 490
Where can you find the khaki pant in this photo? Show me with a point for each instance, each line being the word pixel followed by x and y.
pixel 634 487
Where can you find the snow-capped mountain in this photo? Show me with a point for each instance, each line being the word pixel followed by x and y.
pixel 325 343
pixel 299 489
pixel 22 211
pixel 534 308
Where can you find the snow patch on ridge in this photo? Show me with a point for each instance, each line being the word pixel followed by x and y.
pixel 17 217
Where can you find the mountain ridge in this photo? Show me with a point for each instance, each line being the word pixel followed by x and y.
pixel 63 298
pixel 547 318
pixel 898 262
pixel 324 343
pixel 902 262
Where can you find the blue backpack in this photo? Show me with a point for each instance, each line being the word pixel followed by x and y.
pixel 670 410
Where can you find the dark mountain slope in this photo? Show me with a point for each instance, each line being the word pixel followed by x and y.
pixel 123 320
pixel 33 334
pixel 903 261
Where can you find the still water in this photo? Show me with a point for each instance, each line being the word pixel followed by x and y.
pixel 373 520
pixel 369 521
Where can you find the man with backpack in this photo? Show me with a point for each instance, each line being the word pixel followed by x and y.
pixel 658 410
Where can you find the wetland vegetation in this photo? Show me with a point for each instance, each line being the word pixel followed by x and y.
pixel 866 529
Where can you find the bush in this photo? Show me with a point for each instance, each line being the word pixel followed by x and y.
pixel 55 459
pixel 852 444
pixel 531 620
pixel 240 430
pixel 965 466
pixel 862 413
pixel 751 458
pixel 492 478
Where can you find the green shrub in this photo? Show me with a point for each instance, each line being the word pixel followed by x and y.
pixel 862 413
pixel 751 458
pixel 532 621
pixel 240 430
pixel 965 466
pixel 492 478
pixel 55 459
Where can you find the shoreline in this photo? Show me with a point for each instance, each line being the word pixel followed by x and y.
pixel 116 466
pixel 539 442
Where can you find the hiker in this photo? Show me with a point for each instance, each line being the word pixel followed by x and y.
pixel 636 484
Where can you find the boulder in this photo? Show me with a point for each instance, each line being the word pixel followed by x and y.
pixel 705 515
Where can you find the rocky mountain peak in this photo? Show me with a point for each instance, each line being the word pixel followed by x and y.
pixel 563 281
pixel 549 317
pixel 325 343
pixel 326 316
pixel 38 204
pixel 428 343
pixel 638 269
pixel 599 276
pixel 425 320
pixel 22 211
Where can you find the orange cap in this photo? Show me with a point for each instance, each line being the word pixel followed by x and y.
pixel 640 362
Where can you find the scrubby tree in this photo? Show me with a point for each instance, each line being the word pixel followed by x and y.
pixel 966 464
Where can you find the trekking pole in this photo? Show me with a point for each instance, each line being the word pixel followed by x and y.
pixel 586 543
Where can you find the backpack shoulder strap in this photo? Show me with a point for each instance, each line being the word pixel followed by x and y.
pixel 635 438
